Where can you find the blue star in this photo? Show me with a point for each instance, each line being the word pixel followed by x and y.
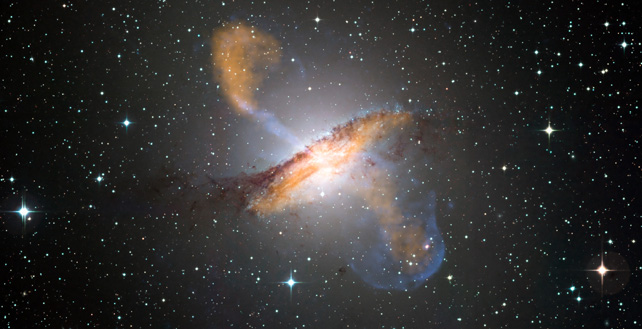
pixel 290 283
pixel 23 211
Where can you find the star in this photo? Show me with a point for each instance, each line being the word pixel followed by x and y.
pixel 23 211
pixel 602 270
pixel 290 283
pixel 126 123
pixel 549 130
pixel 624 44
pixel 317 19
pixel 99 179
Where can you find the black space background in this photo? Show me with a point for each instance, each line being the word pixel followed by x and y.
pixel 123 252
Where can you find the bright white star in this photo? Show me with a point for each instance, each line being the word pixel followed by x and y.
pixel 25 214
pixel 317 19
pixel 23 211
pixel 126 122
pixel 549 130
pixel 290 283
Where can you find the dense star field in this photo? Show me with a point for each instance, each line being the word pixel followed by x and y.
pixel 320 164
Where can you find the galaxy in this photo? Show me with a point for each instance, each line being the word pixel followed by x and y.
pixel 410 246
pixel 320 164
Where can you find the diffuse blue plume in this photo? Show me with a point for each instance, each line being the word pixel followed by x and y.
pixel 374 262
pixel 272 124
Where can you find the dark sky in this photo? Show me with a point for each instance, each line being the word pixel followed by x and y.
pixel 126 225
